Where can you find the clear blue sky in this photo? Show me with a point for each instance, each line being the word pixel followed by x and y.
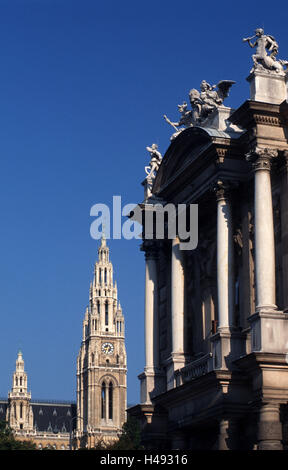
pixel 83 89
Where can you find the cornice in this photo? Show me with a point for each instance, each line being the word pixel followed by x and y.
pixel 256 112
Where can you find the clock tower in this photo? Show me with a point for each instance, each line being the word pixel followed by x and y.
pixel 101 363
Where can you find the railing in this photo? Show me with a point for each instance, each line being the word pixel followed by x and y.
pixel 48 434
pixel 19 394
pixel 195 369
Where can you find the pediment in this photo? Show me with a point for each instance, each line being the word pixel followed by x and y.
pixel 181 152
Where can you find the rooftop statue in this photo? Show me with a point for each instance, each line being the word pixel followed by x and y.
pixel 155 161
pixel 208 99
pixel 266 51
pixel 202 103
pixel 185 120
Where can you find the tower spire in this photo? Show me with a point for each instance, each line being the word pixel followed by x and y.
pixel 102 357
pixel 19 413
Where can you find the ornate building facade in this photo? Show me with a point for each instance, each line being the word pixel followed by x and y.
pixel 216 323
pixel 101 363
pixel 48 424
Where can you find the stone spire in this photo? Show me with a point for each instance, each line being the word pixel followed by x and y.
pixel 103 295
pixel 19 413
pixel 19 384
pixel 101 363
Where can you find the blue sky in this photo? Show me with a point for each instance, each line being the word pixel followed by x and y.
pixel 83 89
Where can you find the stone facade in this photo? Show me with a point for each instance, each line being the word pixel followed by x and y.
pixel 216 324
pixel 101 363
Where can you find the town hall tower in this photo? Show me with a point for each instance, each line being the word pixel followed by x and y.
pixel 101 363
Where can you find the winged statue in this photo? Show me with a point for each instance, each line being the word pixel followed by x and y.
pixel 202 102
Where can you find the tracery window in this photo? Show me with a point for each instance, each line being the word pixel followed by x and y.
pixel 106 314
pixel 103 401
pixel 110 393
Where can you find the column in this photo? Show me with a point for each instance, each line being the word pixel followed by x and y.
pixel 270 427
pixel 225 258
pixel 284 229
pixel 228 437
pixel 177 358
pixel 227 343
pixel 223 435
pixel 264 229
pixel 151 310
pixel 149 377
pixel 177 298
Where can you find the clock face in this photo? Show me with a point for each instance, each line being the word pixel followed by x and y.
pixel 107 348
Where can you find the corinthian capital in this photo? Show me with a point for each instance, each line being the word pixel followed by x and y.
pixel 221 189
pixel 261 158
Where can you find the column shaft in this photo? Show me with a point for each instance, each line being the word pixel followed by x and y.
pixel 151 313
pixel 177 298
pixel 284 230
pixel 225 259
pixel 264 231
pixel 270 428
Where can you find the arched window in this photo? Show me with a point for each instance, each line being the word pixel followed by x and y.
pixel 98 306
pixel 110 400
pixel 105 275
pixel 92 358
pixel 21 410
pixel 106 314
pixel 103 401
pixel 20 381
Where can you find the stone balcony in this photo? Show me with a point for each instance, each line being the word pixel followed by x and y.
pixel 194 369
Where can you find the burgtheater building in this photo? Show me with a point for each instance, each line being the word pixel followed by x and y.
pixel 216 322
pixel 102 363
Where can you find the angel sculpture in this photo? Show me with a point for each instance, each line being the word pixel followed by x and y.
pixel 208 99
pixel 203 102
pixel 155 161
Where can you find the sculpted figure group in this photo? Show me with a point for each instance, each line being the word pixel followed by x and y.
pixel 210 97
pixel 202 102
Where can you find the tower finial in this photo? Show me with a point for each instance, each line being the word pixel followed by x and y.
pixel 103 237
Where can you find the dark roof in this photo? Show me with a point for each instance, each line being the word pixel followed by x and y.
pixel 51 416
pixel 54 417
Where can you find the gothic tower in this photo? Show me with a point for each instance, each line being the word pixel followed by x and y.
pixel 19 411
pixel 101 363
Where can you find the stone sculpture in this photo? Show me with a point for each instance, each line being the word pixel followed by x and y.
pixel 202 103
pixel 185 120
pixel 208 99
pixel 155 161
pixel 266 51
